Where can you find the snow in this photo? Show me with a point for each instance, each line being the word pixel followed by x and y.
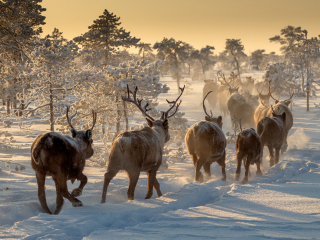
pixel 284 203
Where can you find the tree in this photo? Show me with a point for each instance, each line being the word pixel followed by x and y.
pixel 105 34
pixel 174 53
pixel 257 57
pixel 20 21
pixel 144 48
pixel 51 77
pixel 205 58
pixel 300 52
pixel 235 48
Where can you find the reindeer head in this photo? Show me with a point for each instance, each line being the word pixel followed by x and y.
pixel 163 121
pixel 209 118
pixel 285 102
pixel 232 89
pixel 281 116
pixel 83 138
pixel 265 99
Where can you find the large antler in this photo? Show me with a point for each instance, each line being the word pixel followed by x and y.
pixel 221 75
pixel 271 91
pixel 69 119
pixel 137 102
pixel 204 107
pixel 165 114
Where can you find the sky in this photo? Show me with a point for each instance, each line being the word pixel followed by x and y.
pixel 197 22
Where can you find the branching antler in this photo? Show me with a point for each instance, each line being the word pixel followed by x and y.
pixel 204 107
pixel 165 114
pixel 221 75
pixel 69 119
pixel 137 102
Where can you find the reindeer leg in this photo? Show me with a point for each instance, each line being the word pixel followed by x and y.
pixel 277 155
pixel 107 178
pixel 239 161
pixel 247 171
pixel 156 186
pixel 133 179
pixel 271 155
pixel 222 163
pixel 83 181
pixel 206 167
pixel 151 180
pixel 41 178
pixel 59 199
pixel 65 193
pixel 199 164
pixel 194 158
pixel 259 172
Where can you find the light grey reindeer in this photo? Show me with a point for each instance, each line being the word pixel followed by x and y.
pixel 206 144
pixel 137 151
pixel 62 157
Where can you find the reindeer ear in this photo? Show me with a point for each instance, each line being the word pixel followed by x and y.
pixel 277 101
pixel 287 102
pixel 149 122
pixel 219 120
pixel 165 124
pixel 73 132
pixel 89 134
pixel 207 118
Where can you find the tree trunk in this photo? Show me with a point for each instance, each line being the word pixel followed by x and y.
pixel 51 108
pixel 118 118
pixel 177 75
pixel 125 111
pixel 238 67
pixel 8 106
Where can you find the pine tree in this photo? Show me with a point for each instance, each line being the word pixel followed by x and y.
pixel 106 34
pixel 235 48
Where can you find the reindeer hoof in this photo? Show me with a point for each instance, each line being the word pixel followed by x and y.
pixel 258 173
pixel 76 192
pixel 245 181
pixel 224 178
pixel 77 204
pixel 237 177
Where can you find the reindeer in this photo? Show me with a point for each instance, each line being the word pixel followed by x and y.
pixel 210 85
pixel 237 105
pixel 62 157
pixel 206 144
pixel 279 108
pixel 137 151
pixel 226 90
pixel 272 133
pixel 249 148
pixel 248 85
pixel 263 108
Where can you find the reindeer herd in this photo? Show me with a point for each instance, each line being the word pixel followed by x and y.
pixel 63 157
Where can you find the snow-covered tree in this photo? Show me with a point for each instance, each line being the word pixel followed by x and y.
pixel 105 37
pixel 236 49
pixel 174 53
pixel 204 56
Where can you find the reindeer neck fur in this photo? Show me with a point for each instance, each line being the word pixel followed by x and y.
pixel 160 133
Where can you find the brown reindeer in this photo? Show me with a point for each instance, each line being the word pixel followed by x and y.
pixel 137 151
pixel 279 108
pixel 249 148
pixel 272 133
pixel 62 157
pixel 206 144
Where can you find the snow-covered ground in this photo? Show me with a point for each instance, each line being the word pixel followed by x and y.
pixel 282 204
